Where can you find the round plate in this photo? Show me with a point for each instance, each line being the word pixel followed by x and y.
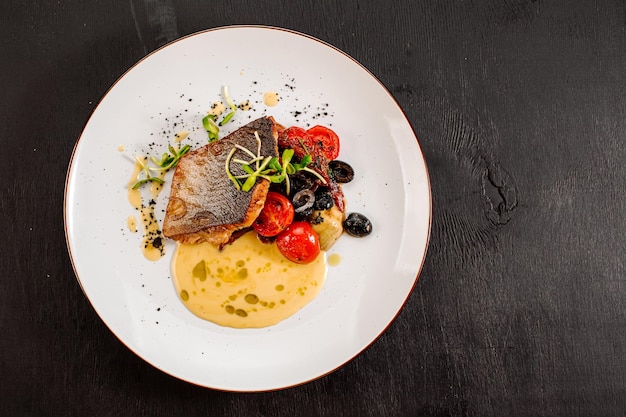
pixel 170 91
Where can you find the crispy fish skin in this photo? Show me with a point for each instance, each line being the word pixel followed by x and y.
pixel 204 205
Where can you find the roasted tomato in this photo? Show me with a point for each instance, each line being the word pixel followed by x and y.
pixel 276 215
pixel 322 143
pixel 318 141
pixel 299 243
pixel 323 140
pixel 295 138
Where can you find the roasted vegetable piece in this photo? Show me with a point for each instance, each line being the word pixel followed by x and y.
pixel 295 138
pixel 300 141
pixel 328 224
pixel 323 140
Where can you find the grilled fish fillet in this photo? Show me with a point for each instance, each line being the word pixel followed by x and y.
pixel 204 205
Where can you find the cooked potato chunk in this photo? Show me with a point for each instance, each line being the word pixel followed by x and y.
pixel 328 224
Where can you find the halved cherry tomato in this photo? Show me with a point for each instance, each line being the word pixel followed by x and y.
pixel 318 141
pixel 324 140
pixel 299 243
pixel 276 215
pixel 295 138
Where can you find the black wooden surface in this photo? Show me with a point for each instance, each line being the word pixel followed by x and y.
pixel 520 109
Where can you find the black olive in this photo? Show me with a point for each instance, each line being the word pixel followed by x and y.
pixel 303 199
pixel 357 225
pixel 303 202
pixel 303 216
pixel 300 181
pixel 323 200
pixel 341 171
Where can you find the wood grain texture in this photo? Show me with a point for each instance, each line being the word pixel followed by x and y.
pixel 519 106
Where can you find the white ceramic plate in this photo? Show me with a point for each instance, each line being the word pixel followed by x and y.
pixel 169 91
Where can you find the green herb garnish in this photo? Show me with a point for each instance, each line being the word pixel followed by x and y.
pixel 210 123
pixel 267 167
pixel 232 106
pixel 210 126
pixel 168 161
pixel 146 180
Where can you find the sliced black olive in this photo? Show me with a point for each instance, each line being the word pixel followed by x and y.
pixel 357 225
pixel 303 202
pixel 341 171
pixel 323 200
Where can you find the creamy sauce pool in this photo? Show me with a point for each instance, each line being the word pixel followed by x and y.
pixel 247 284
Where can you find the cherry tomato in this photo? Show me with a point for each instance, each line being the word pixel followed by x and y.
pixel 324 140
pixel 299 243
pixel 295 138
pixel 276 215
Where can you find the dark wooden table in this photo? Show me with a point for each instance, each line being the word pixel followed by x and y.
pixel 520 107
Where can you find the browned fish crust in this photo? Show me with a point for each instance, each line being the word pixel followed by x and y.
pixel 204 205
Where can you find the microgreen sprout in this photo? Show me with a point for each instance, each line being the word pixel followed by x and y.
pixel 209 122
pixel 252 176
pixel 210 126
pixel 270 168
pixel 168 161
pixel 232 106
pixel 148 177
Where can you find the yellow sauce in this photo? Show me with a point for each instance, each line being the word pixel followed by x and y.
pixel 245 105
pixel 270 98
pixel 248 284
pixel 131 222
pixel 180 136
pixel 334 259
pixel 120 148
pixel 155 187
pixel 217 108
pixel 134 196
pixel 153 243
